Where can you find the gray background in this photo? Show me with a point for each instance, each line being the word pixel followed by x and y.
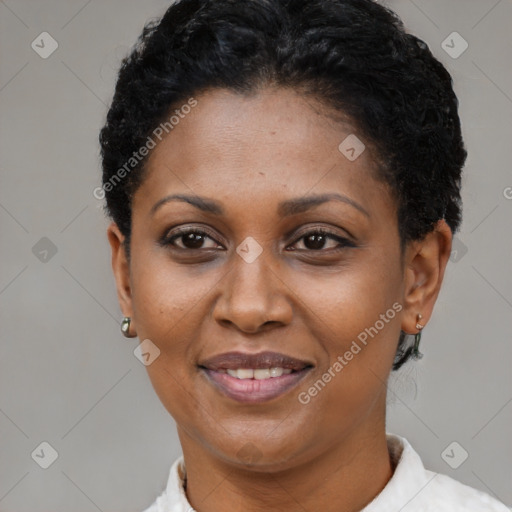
pixel 69 378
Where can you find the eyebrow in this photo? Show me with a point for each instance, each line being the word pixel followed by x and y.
pixel 284 209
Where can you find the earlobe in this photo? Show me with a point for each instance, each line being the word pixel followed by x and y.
pixel 426 262
pixel 121 269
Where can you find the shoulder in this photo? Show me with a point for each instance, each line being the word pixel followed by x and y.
pixel 173 498
pixel 419 489
pixel 449 495
pixel 161 504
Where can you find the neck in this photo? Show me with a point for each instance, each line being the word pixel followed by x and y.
pixel 345 478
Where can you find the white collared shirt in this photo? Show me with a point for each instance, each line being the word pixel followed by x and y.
pixel 412 488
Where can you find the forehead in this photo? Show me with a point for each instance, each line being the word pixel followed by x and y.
pixel 272 144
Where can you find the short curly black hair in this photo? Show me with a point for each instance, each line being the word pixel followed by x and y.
pixel 353 55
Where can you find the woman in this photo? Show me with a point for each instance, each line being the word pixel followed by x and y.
pixel 283 178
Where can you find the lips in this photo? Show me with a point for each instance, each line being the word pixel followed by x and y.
pixel 254 378
pixel 236 360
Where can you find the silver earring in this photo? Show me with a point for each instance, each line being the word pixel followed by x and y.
pixel 416 354
pixel 418 325
pixel 125 327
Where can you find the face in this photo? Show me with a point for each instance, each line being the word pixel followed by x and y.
pixel 294 252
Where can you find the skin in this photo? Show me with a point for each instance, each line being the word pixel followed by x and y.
pixel 249 153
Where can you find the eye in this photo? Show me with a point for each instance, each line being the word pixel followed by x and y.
pixel 316 240
pixel 191 239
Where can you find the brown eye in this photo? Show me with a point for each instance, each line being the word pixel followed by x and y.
pixel 316 241
pixel 191 240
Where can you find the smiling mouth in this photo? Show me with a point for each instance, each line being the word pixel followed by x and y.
pixel 256 373
pixel 254 385
pixel 254 390
pixel 254 378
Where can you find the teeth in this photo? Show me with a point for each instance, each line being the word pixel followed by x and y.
pixel 245 373
pixel 258 373
pixel 262 373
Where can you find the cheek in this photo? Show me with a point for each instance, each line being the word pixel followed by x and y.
pixel 166 296
pixel 355 316
pixel 345 303
pixel 165 309
pixel 170 304
pixel 359 346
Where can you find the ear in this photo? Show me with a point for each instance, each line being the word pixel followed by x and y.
pixel 121 269
pixel 425 263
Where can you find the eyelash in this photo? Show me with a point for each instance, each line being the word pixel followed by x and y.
pixel 343 242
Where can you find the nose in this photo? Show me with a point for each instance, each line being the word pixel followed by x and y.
pixel 253 297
